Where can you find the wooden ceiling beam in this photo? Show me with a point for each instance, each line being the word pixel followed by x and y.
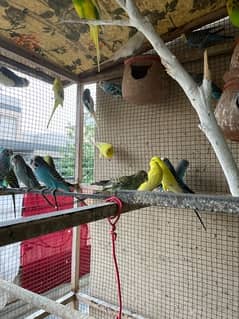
pixel 38 61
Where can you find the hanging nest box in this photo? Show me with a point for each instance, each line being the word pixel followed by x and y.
pixel 143 80
pixel 227 109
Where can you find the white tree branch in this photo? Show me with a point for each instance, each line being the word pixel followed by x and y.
pixel 123 23
pixel 198 96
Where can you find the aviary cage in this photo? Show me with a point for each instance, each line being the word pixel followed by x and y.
pixel 169 266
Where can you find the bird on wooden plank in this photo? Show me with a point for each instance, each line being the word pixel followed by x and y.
pixel 7 176
pixel 9 78
pixel 49 176
pixel 130 182
pixel 172 183
pixel 25 175
pixel 155 175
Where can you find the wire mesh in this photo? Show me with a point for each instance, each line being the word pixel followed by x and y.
pixel 42 264
pixel 169 266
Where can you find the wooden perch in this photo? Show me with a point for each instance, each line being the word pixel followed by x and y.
pixel 198 96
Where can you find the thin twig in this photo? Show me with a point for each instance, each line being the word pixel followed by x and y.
pixel 122 23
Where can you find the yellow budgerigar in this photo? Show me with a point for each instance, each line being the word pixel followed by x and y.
pixel 233 11
pixel 106 150
pixel 169 182
pixel 155 175
pixel 87 9
pixel 58 96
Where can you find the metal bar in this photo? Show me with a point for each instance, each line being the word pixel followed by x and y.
pixel 211 203
pixel 25 228
pixel 41 314
pixel 75 257
pixel 41 302
pixel 38 59
pixel 106 307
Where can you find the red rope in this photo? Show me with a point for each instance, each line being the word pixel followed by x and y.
pixel 113 221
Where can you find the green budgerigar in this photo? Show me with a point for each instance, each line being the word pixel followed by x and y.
pixel 129 182
pixel 58 96
pixel 233 11
pixel 87 9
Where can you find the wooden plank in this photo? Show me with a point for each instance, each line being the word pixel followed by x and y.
pixel 26 69
pixel 41 302
pixel 29 227
pixel 106 307
pixel 40 314
pixel 37 59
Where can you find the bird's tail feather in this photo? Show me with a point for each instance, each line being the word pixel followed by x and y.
pixel 94 32
pixel 52 113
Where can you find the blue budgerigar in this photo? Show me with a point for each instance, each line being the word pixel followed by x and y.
pixel 216 91
pixel 205 38
pixel 9 78
pixel 49 176
pixel 111 88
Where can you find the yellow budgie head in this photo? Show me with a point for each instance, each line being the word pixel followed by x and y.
pixel 106 150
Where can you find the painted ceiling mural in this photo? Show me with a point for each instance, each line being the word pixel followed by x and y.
pixel 37 26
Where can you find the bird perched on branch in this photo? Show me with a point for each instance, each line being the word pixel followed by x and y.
pixel 129 182
pixel 87 9
pixel 9 78
pixel 89 104
pixel 58 97
pixel 155 175
pixel 111 88
pixel 233 11
pixel 205 38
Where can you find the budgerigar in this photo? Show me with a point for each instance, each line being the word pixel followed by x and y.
pixel 106 150
pixel 48 175
pixel 89 103
pixel 155 175
pixel 24 173
pixel 111 88
pixel 205 38
pixel 87 9
pixel 130 182
pixel 6 175
pixel 9 78
pixel 173 183
pixel 50 161
pixel 216 91
pixel 58 97
pixel 5 165
pixel 233 11
pixel 181 168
